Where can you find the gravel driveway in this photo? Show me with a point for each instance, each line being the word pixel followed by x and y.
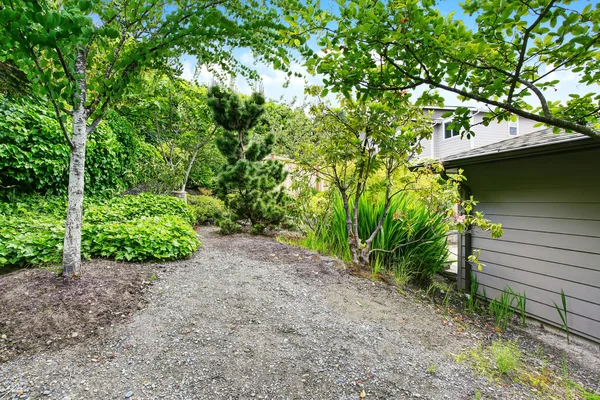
pixel 247 318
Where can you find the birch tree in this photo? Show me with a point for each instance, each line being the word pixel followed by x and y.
pixel 81 56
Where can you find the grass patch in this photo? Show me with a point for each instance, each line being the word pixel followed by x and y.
pixel 506 356
pixel 503 361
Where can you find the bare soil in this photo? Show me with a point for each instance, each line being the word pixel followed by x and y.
pixel 39 310
pixel 247 317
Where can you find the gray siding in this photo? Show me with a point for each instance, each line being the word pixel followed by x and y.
pixel 438 147
pixel 527 126
pixel 448 147
pixel 550 210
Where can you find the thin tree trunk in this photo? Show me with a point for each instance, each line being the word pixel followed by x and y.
pixel 351 241
pixel 199 144
pixel 72 242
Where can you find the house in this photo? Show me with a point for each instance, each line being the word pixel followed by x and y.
pixel 545 190
pixel 290 166
pixel 446 141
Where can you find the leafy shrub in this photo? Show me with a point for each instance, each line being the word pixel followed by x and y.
pixel 152 173
pixel 137 228
pixel 133 207
pixel 206 209
pixel 31 239
pixel 163 238
pixel 34 155
pixel 413 238
pixel 35 204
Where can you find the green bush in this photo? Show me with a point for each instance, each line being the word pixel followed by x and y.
pixel 136 206
pixel 412 237
pixel 136 228
pixel 165 237
pixel 152 172
pixel 34 155
pixel 229 227
pixel 206 209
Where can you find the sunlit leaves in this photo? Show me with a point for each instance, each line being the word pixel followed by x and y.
pixel 397 45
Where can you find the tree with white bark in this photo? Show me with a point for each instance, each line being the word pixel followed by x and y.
pixel 81 56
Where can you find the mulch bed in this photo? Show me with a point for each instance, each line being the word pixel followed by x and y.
pixel 41 310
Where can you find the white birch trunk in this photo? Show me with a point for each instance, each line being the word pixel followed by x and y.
pixel 72 243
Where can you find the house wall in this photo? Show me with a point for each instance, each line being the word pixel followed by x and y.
pixel 549 207
pixel 484 135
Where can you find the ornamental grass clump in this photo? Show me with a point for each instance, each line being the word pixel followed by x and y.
pixel 411 243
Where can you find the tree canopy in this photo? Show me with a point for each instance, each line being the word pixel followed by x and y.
pixel 507 60
pixel 83 55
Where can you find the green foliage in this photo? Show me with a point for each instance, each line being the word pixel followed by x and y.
pixel 34 156
pixel 562 313
pixel 505 61
pixel 173 116
pixel 412 241
pixel 473 293
pixel 206 209
pixel 495 361
pixel 522 307
pixel 502 308
pixel 507 355
pixel 152 173
pixel 228 226
pixel 134 207
pixel 166 237
pixel 13 82
pixel 143 227
pixel 289 125
pixel 31 239
pixel 247 184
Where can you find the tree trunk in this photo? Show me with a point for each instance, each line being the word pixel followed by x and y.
pixel 72 243
pixel 352 243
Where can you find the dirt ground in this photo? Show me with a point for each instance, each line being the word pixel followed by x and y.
pixel 247 317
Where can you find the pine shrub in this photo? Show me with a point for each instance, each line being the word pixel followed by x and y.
pixel 249 185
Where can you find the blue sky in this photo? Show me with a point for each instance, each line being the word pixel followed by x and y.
pixel 274 81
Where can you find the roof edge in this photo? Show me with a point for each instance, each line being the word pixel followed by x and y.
pixel 560 147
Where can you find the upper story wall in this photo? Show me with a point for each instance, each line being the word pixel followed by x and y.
pixel 440 146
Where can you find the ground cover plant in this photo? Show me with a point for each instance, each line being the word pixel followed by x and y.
pixel 132 228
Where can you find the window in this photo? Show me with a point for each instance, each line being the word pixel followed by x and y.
pixel 450 132
pixel 513 127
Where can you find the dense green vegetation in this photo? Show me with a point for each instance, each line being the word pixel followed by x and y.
pixel 411 243
pixel 249 185
pixel 132 228
pixel 207 209
pixel 34 156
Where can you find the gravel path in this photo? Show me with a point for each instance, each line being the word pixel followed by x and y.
pixel 246 318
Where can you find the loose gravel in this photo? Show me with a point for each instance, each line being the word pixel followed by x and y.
pixel 249 318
